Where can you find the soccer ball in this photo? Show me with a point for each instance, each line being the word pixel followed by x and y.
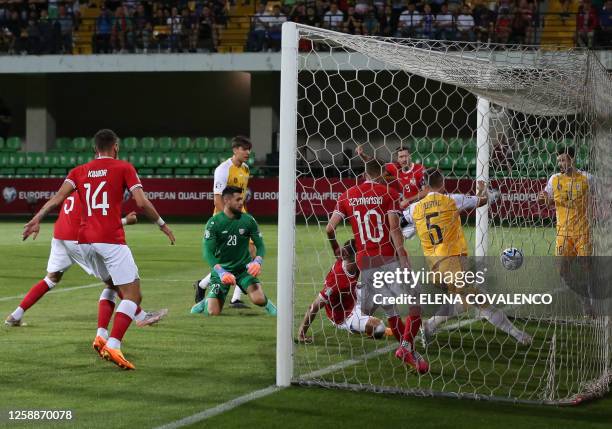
pixel 512 258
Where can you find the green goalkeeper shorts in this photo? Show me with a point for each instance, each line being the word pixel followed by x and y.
pixel 218 290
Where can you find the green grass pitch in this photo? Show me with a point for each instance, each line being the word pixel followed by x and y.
pixel 188 363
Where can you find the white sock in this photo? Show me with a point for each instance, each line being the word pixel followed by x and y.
pixel 127 307
pixel 108 294
pixel 49 282
pixel 102 333
pixel 444 314
pixel 18 313
pixel 140 316
pixel 113 343
pixel 499 319
pixel 237 294
pixel 204 282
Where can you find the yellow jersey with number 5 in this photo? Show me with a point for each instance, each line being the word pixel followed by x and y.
pixel 571 196
pixel 438 223
pixel 229 174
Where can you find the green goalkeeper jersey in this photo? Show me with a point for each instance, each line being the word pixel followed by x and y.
pixel 226 241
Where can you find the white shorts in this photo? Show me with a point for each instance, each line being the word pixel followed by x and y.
pixel 64 254
pixel 110 261
pixel 355 322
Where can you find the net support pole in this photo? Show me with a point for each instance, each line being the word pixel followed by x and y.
pixel 286 204
pixel 483 118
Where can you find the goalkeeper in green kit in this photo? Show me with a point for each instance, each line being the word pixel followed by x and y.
pixel 226 249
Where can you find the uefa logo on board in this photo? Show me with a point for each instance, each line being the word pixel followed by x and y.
pixel 9 194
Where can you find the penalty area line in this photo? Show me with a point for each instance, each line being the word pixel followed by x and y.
pixel 56 291
pixel 222 408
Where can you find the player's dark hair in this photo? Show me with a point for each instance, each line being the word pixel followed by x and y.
pixel 373 168
pixel 401 149
pixel 349 249
pixel 568 150
pixel 242 141
pixel 434 177
pixel 104 140
pixel 231 190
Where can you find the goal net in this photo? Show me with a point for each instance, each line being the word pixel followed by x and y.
pixel 475 112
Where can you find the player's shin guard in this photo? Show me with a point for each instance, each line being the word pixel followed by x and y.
pixel 33 295
pixel 106 306
pixel 123 317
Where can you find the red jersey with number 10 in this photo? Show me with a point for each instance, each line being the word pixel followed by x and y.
pixel 339 293
pixel 366 206
pixel 67 224
pixel 101 184
pixel 408 182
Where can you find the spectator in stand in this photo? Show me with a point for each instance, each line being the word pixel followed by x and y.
pixel 311 18
pixel 527 11
pixel 484 26
pixel 465 25
pixel 47 34
pixel 409 22
pixel 586 23
pixel 33 35
pixel 605 25
pixel 503 26
pixel 102 35
pixel 66 26
pixel 333 18
pixel 161 30
pixel 259 27
pixel 298 12
pixel 428 23
pixel 565 10
pixel 454 6
pixel 275 23
pixel 175 23
pixel 388 26
pixel 121 31
pixel 445 24
pixel 362 7
pixel 520 26
pixel 371 25
pixel 207 30
pixel 142 28
pixel 353 24
pixel 193 29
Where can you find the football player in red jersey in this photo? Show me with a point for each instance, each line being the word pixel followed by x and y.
pixel 373 210
pixel 341 301
pixel 100 184
pixel 406 176
pixel 65 253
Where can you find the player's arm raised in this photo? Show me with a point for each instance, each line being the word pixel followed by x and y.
pixel 33 226
pixel 310 315
pixel 483 195
pixel 149 210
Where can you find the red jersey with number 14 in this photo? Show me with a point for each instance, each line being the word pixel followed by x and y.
pixel 67 224
pixel 339 293
pixel 101 184
pixel 407 182
pixel 366 206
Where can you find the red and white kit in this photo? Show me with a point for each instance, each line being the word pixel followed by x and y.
pixel 406 182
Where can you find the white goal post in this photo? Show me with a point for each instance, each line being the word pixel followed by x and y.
pixel 494 113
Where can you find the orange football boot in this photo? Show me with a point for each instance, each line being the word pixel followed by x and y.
pixel 98 344
pixel 115 356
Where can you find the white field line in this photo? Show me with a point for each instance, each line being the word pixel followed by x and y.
pixel 55 291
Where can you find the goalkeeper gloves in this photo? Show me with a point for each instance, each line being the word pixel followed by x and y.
pixel 226 277
pixel 254 268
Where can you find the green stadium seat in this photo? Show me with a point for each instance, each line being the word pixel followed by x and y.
pixel 220 144
pixel 191 160
pixel 24 172
pixel 202 144
pixel 1 144
pixel 144 171
pixel 84 158
pixel 439 146
pixel 12 144
pixel 551 145
pixel 455 146
pixel 417 158
pixel 129 144
pixel 41 172
pixel 3 159
pixel 80 144
pixel 57 172
pixel 7 171
pixel 201 171
pixel 50 160
pixel 446 162
pixel 17 160
pixel 183 144
pixel 431 160
pixel 62 144
pixel 423 146
pixel 182 171
pixel 138 159
pixel 124 156
pixel 154 160
pixel 172 160
pixel 209 161
pixel 34 159
pixel 165 172
pixel 469 146
pixel 148 144
pixel 582 151
pixel 165 144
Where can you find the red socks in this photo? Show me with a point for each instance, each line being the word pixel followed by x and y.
pixel 397 327
pixel 413 323
pixel 35 293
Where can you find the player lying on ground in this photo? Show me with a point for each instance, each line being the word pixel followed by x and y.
pixel 101 184
pixel 65 253
pixel 226 249
pixel 372 208
pixel 341 300
pixel 438 226
pixel 231 172
pixel 406 176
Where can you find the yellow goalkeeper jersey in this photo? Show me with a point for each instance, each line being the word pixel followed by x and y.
pixel 228 174
pixel 571 196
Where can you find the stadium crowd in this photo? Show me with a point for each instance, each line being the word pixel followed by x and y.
pixel 48 27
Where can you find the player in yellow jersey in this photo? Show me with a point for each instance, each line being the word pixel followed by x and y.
pixel 569 191
pixel 437 222
pixel 232 172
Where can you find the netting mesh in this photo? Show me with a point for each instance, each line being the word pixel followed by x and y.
pixel 422 95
